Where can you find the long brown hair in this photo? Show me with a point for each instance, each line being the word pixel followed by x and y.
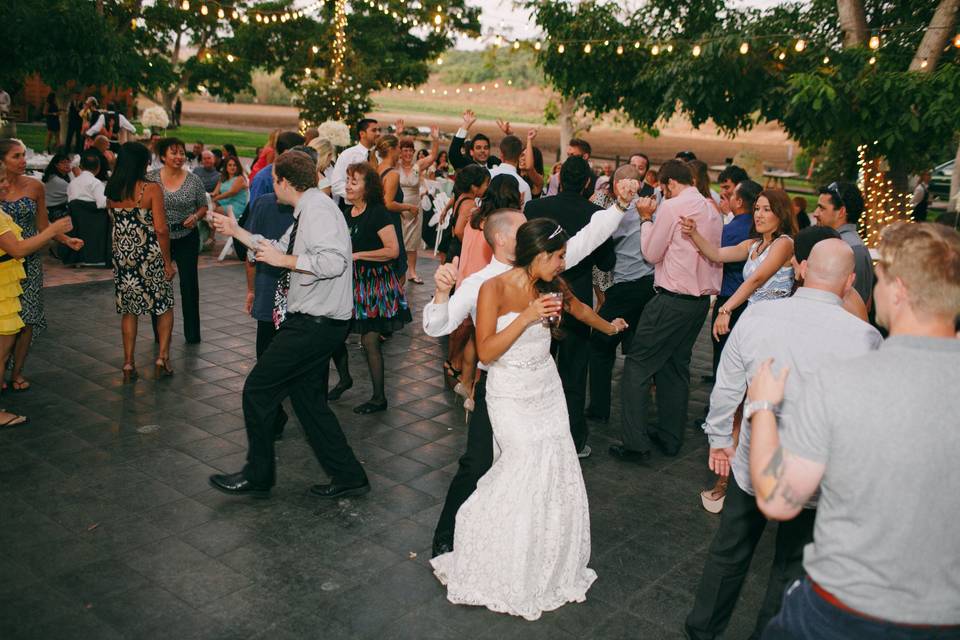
pixel 782 207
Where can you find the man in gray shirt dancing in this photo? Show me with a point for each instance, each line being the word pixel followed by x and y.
pixel 806 331
pixel 878 435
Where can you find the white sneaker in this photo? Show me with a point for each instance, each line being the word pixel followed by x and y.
pixel 585 452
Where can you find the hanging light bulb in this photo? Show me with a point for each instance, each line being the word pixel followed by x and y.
pixel 516 44
pixel 537 45
pixel 561 48
pixel 185 5
pixel 744 48
pixel 234 14
pixel 669 48
pixel 606 43
pixel 437 19
pixel 203 10
pixel 315 49
pixel 874 42
pixel 636 45
pixel 587 48
pixel 221 14
pixel 696 51
pixel 230 57
pixel 923 63
pixel 872 60
pixel 439 61
pixel 826 59
pixel 956 41
pixel 800 46
pixel 655 49
pixel 244 19
pixel 619 49
pixel 782 56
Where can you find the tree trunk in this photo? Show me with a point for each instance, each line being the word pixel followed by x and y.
pixel 853 21
pixel 568 107
pixel 955 184
pixel 935 38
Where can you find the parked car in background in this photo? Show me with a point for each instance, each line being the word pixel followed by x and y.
pixel 940 180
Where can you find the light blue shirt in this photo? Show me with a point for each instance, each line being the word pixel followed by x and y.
pixel 630 263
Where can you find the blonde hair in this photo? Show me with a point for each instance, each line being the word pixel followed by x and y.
pixel 386 143
pixel 926 258
pixel 325 152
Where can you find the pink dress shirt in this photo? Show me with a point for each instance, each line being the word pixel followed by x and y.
pixel 678 266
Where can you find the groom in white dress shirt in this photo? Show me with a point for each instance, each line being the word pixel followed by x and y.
pixel 444 314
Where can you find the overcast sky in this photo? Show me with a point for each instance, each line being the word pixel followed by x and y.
pixel 502 17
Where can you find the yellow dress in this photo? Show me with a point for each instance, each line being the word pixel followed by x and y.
pixel 11 273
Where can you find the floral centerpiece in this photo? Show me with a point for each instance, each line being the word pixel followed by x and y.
pixel 155 118
pixel 336 132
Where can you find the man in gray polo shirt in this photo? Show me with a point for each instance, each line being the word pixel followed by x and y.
pixel 839 207
pixel 806 331
pixel 878 434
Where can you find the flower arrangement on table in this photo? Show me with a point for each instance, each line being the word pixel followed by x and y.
pixel 155 118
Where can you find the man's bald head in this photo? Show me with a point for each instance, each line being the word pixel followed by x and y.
pixel 624 172
pixel 830 267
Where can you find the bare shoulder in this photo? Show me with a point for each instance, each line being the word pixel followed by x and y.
pixel 33 186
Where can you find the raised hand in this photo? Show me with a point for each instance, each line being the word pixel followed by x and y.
pixel 399 127
pixel 469 119
pixel 531 134
pixel 766 386
pixel 505 127
pixel 446 275
pixel 435 132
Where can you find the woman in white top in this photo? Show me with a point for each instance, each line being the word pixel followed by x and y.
pixel 326 154
pixel 411 179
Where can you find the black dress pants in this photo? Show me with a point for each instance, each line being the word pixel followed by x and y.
pixel 73 132
pixel 572 353
pixel 728 561
pixel 185 253
pixel 661 347
pixel 265 334
pixel 623 300
pixel 295 364
pixel 475 462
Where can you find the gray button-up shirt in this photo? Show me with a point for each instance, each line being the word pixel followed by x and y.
pixel 322 285
pixel 804 332
pixel 862 264
pixel 630 264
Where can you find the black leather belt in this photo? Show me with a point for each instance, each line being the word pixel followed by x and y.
pixel 323 320
pixel 682 296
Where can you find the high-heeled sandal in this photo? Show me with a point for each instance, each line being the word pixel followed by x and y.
pixel 129 372
pixel 163 368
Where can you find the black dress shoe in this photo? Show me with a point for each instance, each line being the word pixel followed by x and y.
pixel 664 448
pixel 441 547
pixel 370 407
pixel 337 391
pixel 620 452
pixel 333 490
pixel 235 484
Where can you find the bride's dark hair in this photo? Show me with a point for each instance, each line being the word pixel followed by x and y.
pixel 542 235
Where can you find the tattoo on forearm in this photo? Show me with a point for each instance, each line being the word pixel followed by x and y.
pixel 775 469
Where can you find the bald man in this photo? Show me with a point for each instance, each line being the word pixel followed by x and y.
pixel 805 332
pixel 207 171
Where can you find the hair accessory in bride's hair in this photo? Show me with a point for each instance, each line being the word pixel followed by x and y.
pixel 557 232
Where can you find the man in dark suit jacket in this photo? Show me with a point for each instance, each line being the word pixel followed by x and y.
pixel 572 211
pixel 478 149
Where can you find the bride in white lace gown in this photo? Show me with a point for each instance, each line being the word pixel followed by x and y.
pixel 522 539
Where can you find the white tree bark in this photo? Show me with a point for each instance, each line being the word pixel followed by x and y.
pixel 853 21
pixel 935 38
pixel 954 199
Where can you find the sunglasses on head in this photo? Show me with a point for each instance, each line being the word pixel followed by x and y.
pixel 834 189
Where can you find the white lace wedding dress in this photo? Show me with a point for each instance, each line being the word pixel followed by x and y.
pixel 522 539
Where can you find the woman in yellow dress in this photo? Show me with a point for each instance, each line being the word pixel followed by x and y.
pixel 13 248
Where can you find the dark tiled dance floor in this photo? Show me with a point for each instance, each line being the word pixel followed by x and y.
pixel 108 528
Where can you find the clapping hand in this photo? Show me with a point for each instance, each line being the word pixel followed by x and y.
pixel 225 224
pixel 767 387
pixel 446 275
pixel 720 459
pixel 267 253
pixel 505 127
pixel 469 119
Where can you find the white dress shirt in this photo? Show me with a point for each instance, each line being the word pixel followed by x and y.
pixel 508 169
pixel 441 319
pixel 101 121
pixel 338 181
pixel 86 187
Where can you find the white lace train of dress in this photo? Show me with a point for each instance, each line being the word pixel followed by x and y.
pixel 522 539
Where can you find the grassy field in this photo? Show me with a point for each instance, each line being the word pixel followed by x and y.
pixel 34 134
pixel 419 104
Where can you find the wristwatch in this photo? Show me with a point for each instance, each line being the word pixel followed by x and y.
pixel 753 406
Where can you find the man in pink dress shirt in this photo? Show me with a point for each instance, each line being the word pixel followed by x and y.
pixel 683 281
